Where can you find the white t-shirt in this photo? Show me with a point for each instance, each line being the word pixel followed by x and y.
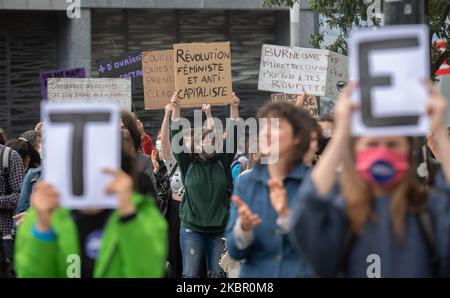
pixel 176 184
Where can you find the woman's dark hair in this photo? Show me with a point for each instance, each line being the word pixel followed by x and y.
pixel 30 136
pixel 128 157
pixel 3 138
pixel 25 149
pixel 129 122
pixel 297 118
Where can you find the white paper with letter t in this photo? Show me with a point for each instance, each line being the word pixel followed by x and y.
pixel 390 65
pixel 79 141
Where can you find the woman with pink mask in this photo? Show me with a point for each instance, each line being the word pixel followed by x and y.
pixel 371 218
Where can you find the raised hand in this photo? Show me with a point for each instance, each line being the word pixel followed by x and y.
pixel 301 98
pixel 122 185
pixel 249 220
pixel 44 200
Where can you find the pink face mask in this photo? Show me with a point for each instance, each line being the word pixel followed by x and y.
pixel 381 166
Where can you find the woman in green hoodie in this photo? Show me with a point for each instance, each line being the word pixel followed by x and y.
pixel 206 176
pixel 128 242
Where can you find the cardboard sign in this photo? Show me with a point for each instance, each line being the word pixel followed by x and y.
pixel 159 78
pixel 59 73
pixel 125 66
pixel 391 93
pixel 203 73
pixel 116 91
pixel 287 69
pixel 310 105
pixel 80 140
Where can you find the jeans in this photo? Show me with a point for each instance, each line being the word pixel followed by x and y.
pixel 195 246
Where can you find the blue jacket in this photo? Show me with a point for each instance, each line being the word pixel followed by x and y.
pixel 316 215
pixel 271 254
pixel 29 181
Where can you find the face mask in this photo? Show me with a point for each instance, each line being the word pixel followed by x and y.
pixel 326 133
pixel 158 145
pixel 381 166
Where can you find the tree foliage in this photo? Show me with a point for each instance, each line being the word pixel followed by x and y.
pixel 347 14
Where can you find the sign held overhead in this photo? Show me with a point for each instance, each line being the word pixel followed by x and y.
pixel 203 73
pixel 391 93
pixel 80 140
pixel 289 69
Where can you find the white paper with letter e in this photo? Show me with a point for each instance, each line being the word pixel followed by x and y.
pixel 79 141
pixel 390 65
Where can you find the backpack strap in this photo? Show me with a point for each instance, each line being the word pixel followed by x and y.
pixel 5 167
pixel 426 229
pixel 174 169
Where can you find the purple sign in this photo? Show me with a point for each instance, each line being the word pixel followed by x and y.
pixel 124 66
pixel 59 73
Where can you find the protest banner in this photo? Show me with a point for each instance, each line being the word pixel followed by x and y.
pixel 288 69
pixel 203 73
pixel 159 78
pixel 310 105
pixel 391 93
pixel 124 66
pixel 59 73
pixel 80 140
pixel 91 90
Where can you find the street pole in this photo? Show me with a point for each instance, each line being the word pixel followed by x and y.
pixel 401 12
pixel 397 12
pixel 294 13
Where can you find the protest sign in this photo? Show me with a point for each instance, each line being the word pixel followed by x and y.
pixel 391 93
pixel 310 105
pixel 159 78
pixel 90 90
pixel 124 66
pixel 288 69
pixel 80 140
pixel 203 73
pixel 59 73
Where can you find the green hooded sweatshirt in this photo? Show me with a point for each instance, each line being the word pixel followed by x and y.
pixel 206 202
pixel 136 248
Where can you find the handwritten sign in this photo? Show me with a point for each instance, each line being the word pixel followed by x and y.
pixel 80 141
pixel 59 73
pixel 203 73
pixel 287 69
pixel 116 91
pixel 391 93
pixel 159 78
pixel 125 66
pixel 310 105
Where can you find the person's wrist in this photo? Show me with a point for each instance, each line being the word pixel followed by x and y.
pixel 285 212
pixel 43 225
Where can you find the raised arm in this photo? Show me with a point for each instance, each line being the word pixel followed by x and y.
pixel 165 132
pixel 324 175
pixel 206 108
pixel 234 107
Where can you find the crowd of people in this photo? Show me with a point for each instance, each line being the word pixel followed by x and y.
pixel 330 206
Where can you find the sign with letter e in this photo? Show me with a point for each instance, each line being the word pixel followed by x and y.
pixel 79 141
pixel 390 65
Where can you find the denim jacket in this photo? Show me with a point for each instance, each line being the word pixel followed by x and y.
pixel 29 181
pixel 271 254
